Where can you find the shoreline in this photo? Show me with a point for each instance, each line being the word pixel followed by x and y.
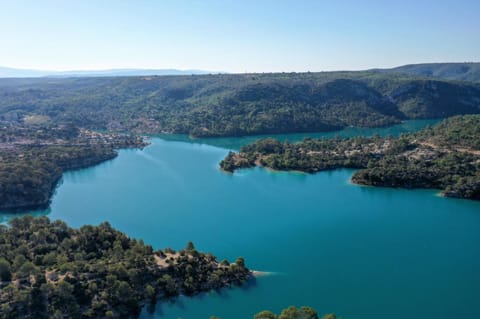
pixel 87 163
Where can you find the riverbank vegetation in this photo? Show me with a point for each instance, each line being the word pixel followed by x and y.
pixel 445 156
pixel 49 270
pixel 34 157
pixel 235 104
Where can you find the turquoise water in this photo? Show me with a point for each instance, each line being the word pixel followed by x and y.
pixel 360 252
pixel 237 142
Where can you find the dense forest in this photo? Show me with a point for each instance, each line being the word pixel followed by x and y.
pixel 445 156
pixel 235 104
pixel 49 270
pixel 34 157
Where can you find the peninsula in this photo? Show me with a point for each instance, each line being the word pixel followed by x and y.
pixel 33 158
pixel 49 270
pixel 445 156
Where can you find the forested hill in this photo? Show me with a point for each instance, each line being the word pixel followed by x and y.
pixel 236 104
pixel 449 71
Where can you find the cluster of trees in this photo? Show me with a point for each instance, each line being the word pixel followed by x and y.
pixel 456 173
pixel 236 104
pixel 38 134
pixel 445 157
pixel 456 131
pixel 49 270
pixel 49 133
pixel 33 159
pixel 293 312
pixel 310 155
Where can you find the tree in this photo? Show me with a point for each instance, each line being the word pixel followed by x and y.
pixel 265 315
pixel 293 312
pixel 5 270
pixel 27 269
pixel 150 292
pixel 240 262
pixel 190 246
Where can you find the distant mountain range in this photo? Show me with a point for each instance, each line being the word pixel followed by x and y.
pixel 449 71
pixel 26 73
pixel 469 71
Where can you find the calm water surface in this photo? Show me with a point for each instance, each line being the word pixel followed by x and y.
pixel 361 252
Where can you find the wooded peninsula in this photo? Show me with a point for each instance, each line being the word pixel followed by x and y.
pixel 34 157
pixel 49 270
pixel 445 156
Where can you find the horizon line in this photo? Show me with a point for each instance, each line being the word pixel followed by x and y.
pixel 122 68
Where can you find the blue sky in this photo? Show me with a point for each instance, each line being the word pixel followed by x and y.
pixel 236 36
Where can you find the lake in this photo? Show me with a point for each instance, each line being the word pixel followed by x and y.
pixel 361 252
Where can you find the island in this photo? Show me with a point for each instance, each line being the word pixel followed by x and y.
pixel 33 158
pixel 49 270
pixel 445 156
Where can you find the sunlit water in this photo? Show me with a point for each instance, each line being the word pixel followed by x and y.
pixel 361 252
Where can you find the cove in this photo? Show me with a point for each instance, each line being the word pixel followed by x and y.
pixel 361 252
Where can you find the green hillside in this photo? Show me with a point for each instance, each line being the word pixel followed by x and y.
pixel 236 104
pixel 450 71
